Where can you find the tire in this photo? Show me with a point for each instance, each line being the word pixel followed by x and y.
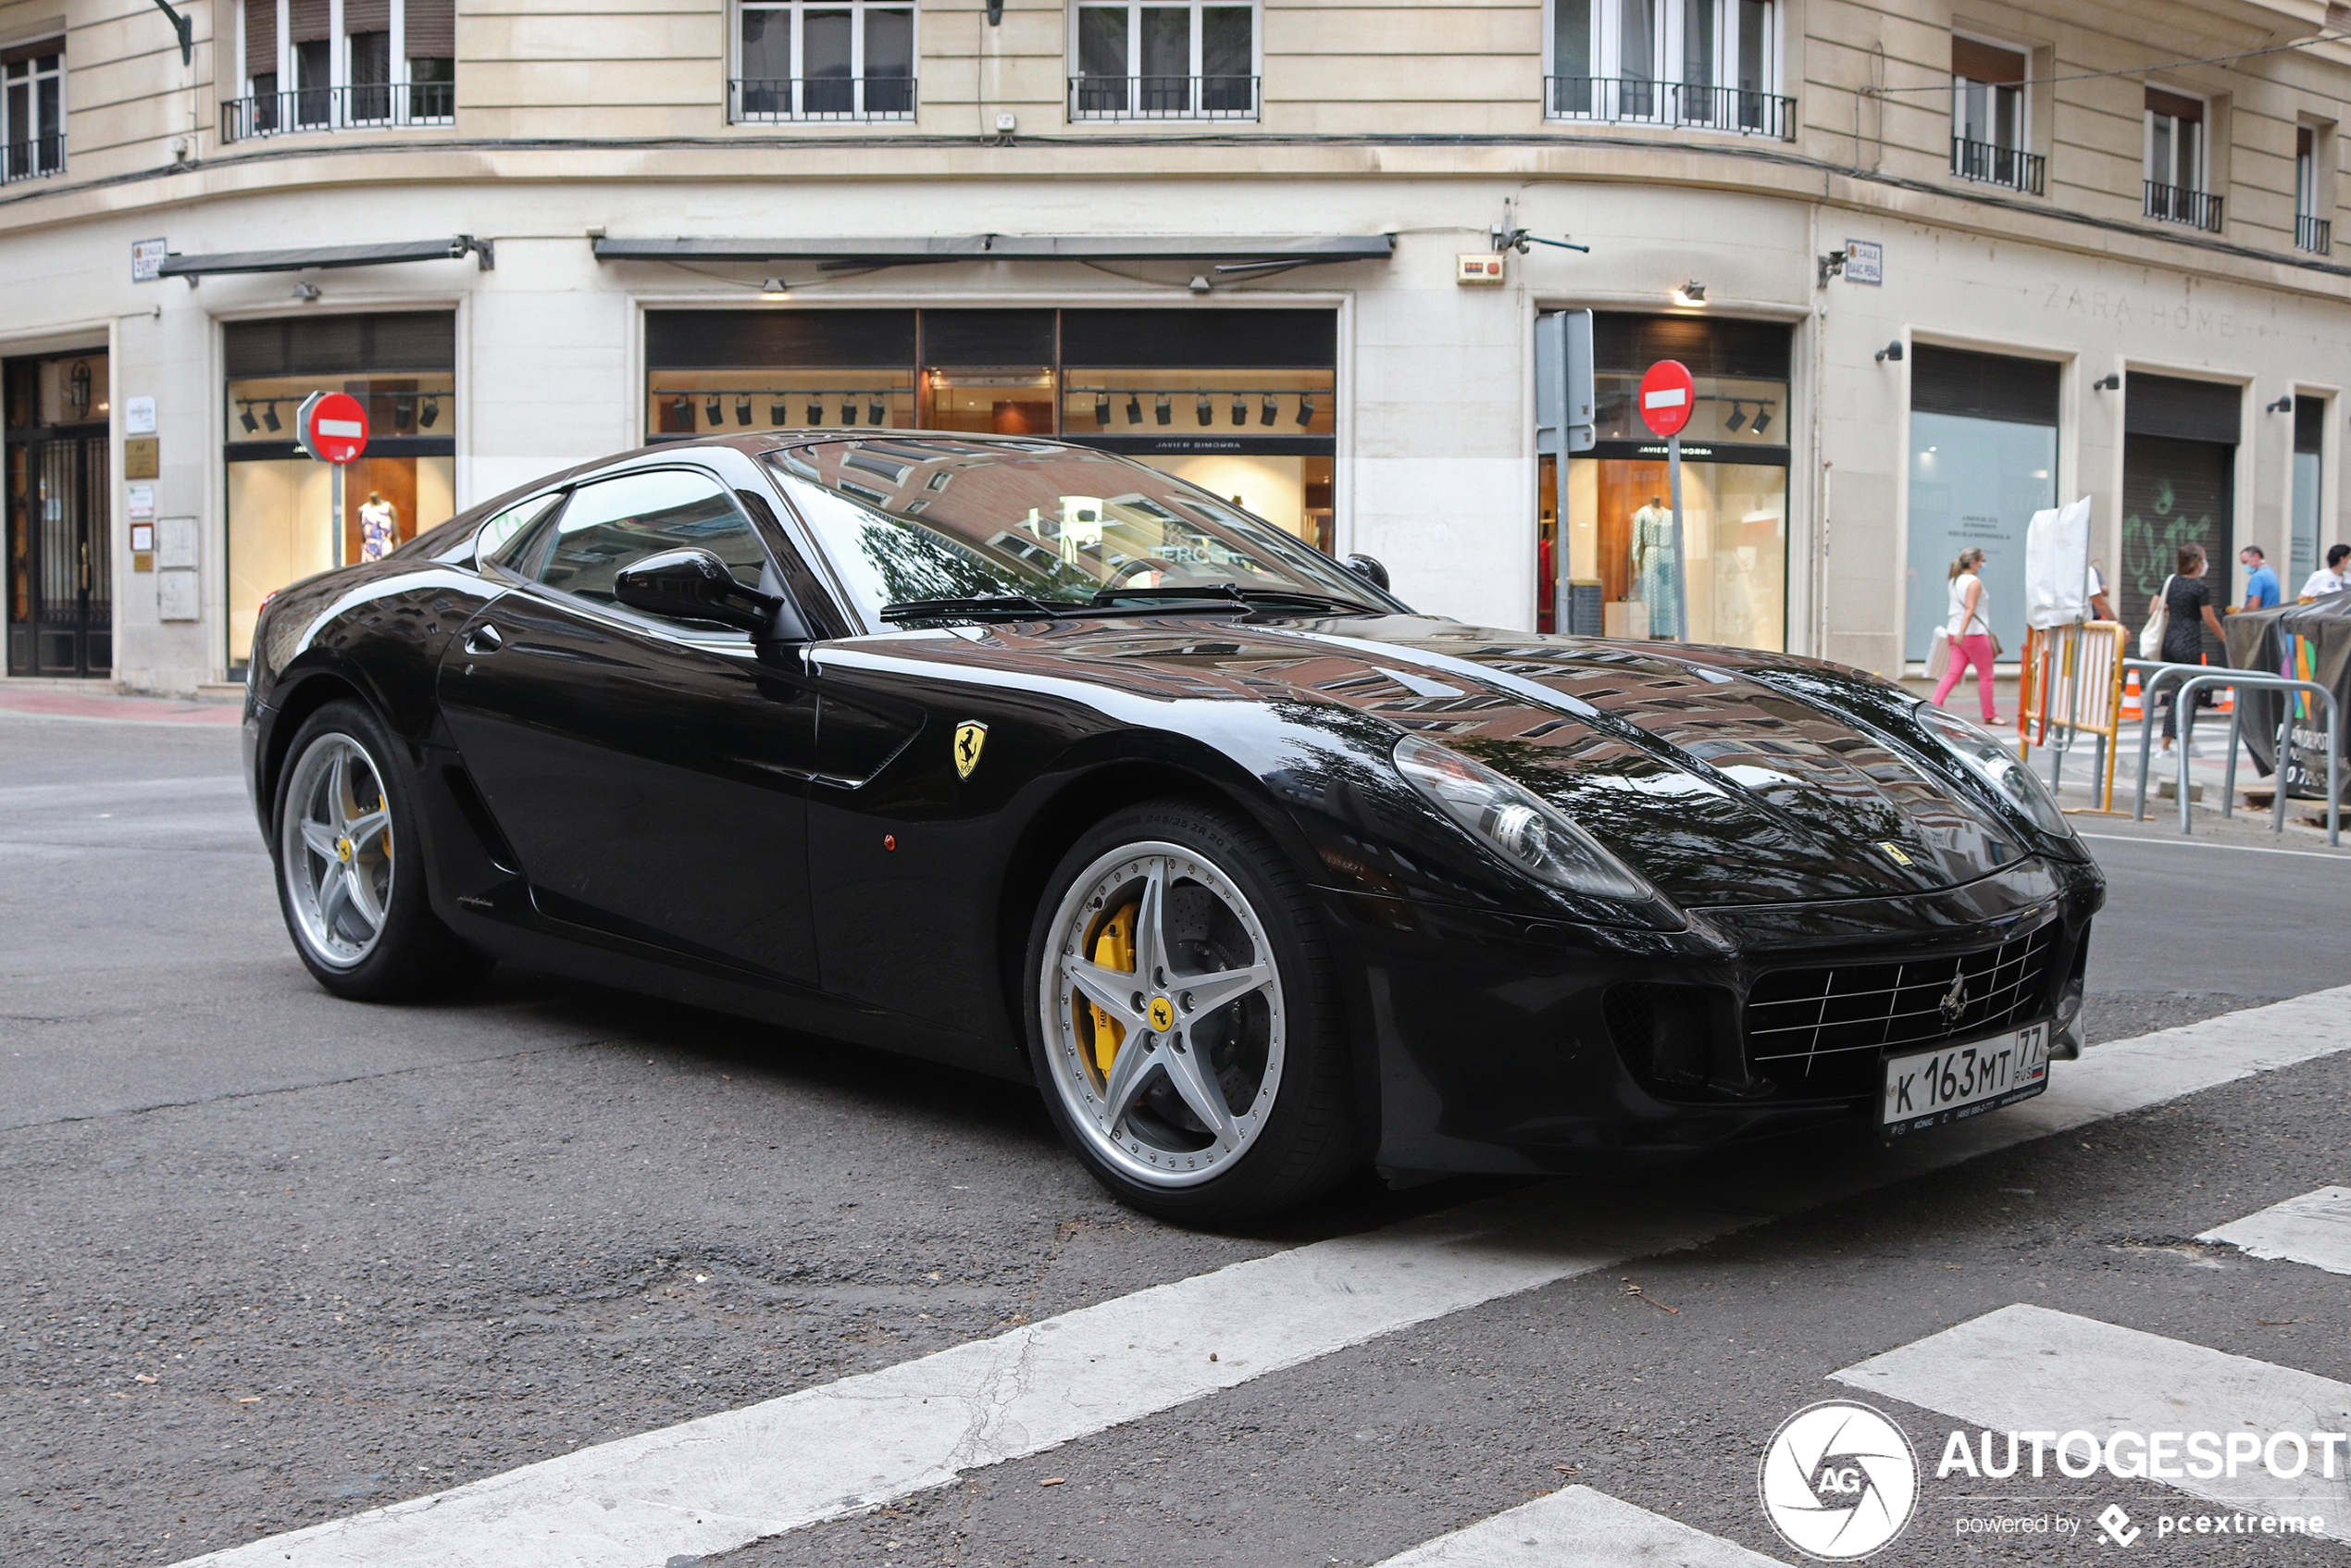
pixel 1170 889
pixel 354 905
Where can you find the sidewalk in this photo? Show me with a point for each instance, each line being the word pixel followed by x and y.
pixel 104 707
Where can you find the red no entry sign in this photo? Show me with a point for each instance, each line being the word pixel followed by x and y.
pixel 1667 396
pixel 332 426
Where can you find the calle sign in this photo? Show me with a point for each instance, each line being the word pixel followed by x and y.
pixel 332 426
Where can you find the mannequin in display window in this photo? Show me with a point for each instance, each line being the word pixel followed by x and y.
pixel 378 527
pixel 1653 565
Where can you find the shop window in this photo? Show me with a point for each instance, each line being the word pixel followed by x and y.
pixel 32 109
pixel 1705 64
pixel 1984 459
pixel 1186 61
pixel 393 63
pixel 2313 197
pixel 842 59
pixel 2178 160
pixel 2309 457
pixel 283 523
pixel 1989 136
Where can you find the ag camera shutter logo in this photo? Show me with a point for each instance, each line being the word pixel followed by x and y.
pixel 1839 1481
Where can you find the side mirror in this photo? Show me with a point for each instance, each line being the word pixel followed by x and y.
pixel 1368 566
pixel 695 585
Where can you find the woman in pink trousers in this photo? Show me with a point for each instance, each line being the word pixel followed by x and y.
pixel 1971 633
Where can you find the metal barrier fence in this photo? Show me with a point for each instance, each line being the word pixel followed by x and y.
pixel 2194 678
pixel 2069 686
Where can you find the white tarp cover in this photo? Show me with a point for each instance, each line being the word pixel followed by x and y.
pixel 2056 566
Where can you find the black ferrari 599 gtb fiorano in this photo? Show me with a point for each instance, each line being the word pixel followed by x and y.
pixel 1027 758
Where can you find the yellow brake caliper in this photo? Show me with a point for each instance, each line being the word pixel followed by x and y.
pixel 1114 949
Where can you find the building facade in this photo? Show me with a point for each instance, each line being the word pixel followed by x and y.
pixel 1931 272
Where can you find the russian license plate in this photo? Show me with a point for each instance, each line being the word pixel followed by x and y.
pixel 1954 1082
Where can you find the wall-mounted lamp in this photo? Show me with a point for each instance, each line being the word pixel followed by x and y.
pixel 305 291
pixel 1892 351
pixel 1691 293
pixel 2111 382
pixel 1831 265
pixel 1198 284
pixel 2282 406
pixel 772 289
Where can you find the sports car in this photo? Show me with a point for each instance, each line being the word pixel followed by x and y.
pixel 1025 758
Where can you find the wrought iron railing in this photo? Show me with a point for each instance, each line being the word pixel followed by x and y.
pixel 2177 204
pixel 756 99
pixel 1623 100
pixel 1163 97
pixel 365 105
pixel 2313 234
pixel 30 159
pixel 2011 166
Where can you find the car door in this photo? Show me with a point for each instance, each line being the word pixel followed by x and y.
pixel 651 774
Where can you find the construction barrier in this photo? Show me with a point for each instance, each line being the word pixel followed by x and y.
pixel 2070 687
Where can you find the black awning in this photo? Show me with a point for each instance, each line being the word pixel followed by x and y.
pixel 1247 252
pixel 451 249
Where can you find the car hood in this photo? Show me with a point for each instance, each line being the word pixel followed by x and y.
pixel 1719 773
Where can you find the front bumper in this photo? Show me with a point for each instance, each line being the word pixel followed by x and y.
pixel 1495 1047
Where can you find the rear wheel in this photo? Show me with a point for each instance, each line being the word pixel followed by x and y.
pixel 350 881
pixel 1183 1021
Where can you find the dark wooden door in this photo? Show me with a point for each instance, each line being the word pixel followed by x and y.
pixel 60 566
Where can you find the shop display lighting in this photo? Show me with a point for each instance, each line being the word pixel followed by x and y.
pixel 1134 409
pixel 270 416
pixel 1267 410
pixel 1205 411
pixel 403 412
pixel 816 412
pixel 1163 411
pixel 776 412
pixel 848 413
pixel 1762 417
pixel 1102 411
pixel 876 413
pixel 715 413
pixel 1738 421
pixel 245 417
pixel 1240 410
pixel 1305 410
pixel 743 409
pixel 430 413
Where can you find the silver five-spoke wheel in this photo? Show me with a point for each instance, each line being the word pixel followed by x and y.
pixel 1162 1006
pixel 336 851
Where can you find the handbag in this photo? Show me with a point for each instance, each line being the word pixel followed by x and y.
pixel 1938 657
pixel 2158 622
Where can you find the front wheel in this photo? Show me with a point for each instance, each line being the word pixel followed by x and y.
pixel 1183 1021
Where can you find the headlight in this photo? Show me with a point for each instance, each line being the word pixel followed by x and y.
pixel 1994 761
pixel 1517 824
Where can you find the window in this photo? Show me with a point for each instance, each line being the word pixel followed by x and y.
pixel 2313 231
pixel 1988 129
pixel 618 522
pixel 393 63
pixel 1705 63
pixel 1195 61
pixel 2176 161
pixel 846 59
pixel 32 110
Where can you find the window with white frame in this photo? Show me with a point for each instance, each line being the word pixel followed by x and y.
pixel 839 59
pixel 32 109
pixel 1197 60
pixel 324 65
pixel 1989 130
pixel 1707 63
pixel 2313 227
pixel 2177 154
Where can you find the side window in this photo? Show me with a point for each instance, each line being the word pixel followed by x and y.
pixel 612 523
pixel 502 530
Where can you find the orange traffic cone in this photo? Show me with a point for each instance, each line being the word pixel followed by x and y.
pixel 2130 708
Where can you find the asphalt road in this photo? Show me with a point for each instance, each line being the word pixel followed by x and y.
pixel 267 1259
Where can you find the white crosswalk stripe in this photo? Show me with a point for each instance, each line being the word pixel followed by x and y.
pixel 1577 1527
pixel 2028 1369
pixel 2314 1229
pixel 713 1484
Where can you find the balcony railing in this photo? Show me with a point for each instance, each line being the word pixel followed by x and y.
pixel 1163 97
pixel 2177 204
pixel 363 106
pixel 756 99
pixel 30 160
pixel 2011 166
pixel 2313 234
pixel 1620 100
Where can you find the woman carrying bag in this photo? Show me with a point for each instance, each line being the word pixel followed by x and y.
pixel 2174 632
pixel 1968 634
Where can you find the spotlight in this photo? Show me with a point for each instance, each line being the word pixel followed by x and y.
pixel 1240 410
pixel 430 413
pixel 1102 411
pixel 715 410
pixel 777 414
pixel 682 412
pixel 245 417
pixel 1691 293
pixel 816 412
pixel 1738 421
pixel 1163 411
pixel 1305 410
pixel 1204 411
pixel 1267 410
pixel 742 410
pixel 772 289
pixel 403 412
pixel 848 413
pixel 1762 417
pixel 1134 409
pixel 270 416
pixel 1892 351
pixel 876 413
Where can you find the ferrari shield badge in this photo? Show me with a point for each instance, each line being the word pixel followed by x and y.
pixel 970 736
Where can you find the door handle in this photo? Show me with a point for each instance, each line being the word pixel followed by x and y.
pixel 85 565
pixel 484 639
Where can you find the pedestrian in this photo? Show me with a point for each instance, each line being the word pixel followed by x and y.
pixel 2261 579
pixel 2186 607
pixel 2332 577
pixel 1969 631
pixel 2099 609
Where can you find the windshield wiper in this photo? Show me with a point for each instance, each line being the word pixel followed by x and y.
pixel 992 606
pixel 1243 598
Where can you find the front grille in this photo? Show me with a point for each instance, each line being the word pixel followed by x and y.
pixel 1823 1031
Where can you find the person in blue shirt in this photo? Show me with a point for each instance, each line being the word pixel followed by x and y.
pixel 2261 584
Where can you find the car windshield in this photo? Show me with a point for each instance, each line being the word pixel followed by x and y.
pixel 916 521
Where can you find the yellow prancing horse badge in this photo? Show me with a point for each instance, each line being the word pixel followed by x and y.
pixel 1161 1014
pixel 970 736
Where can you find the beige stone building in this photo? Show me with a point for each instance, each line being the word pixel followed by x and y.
pixel 1934 268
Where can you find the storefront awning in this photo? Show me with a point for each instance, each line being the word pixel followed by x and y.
pixel 451 249
pixel 1222 253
